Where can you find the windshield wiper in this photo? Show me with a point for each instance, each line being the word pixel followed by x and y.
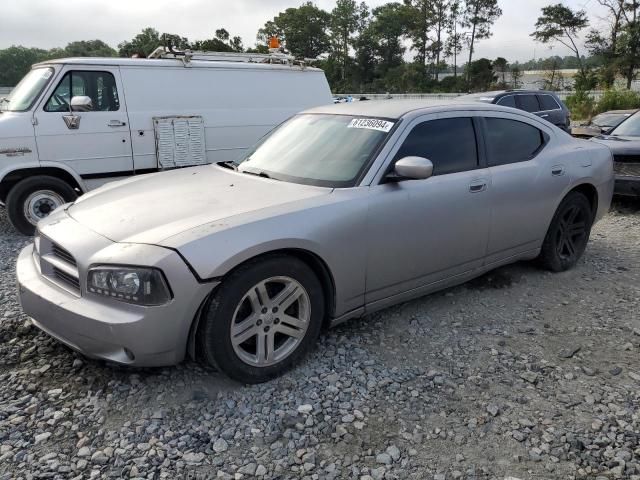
pixel 228 164
pixel 259 174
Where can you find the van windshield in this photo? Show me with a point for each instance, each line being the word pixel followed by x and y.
pixel 323 150
pixel 24 95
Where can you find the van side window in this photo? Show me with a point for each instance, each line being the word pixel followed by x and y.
pixel 99 86
pixel 450 144
pixel 510 141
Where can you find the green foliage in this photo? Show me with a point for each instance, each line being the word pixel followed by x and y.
pixel 581 105
pixel 618 100
pixel 142 44
pixel 480 74
pixel 303 30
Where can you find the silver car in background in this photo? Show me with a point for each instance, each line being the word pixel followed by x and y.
pixel 341 211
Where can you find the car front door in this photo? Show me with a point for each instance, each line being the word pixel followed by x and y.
pixel 550 110
pixel 95 141
pixel 526 183
pixel 423 231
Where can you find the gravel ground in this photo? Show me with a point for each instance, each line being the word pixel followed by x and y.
pixel 520 373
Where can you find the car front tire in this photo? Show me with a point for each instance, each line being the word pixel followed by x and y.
pixel 568 234
pixel 262 319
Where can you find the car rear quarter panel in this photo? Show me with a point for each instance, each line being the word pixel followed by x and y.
pixel 332 227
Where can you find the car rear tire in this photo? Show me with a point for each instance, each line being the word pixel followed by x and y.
pixel 568 234
pixel 33 198
pixel 262 319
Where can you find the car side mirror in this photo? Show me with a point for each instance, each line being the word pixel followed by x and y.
pixel 81 103
pixel 412 168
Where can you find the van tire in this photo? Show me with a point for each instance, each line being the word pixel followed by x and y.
pixel 54 191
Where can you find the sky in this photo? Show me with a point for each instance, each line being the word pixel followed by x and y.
pixel 54 23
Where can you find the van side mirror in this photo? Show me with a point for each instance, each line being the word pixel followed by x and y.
pixel 412 168
pixel 81 103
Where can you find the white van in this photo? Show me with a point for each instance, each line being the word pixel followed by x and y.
pixel 74 124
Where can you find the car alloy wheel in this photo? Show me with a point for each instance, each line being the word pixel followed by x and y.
pixel 571 233
pixel 270 321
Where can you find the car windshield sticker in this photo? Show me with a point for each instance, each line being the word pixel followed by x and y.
pixel 371 124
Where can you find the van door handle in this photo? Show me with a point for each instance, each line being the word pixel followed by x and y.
pixel 116 123
pixel 557 170
pixel 478 187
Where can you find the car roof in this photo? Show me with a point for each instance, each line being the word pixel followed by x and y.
pixel 395 109
pixel 168 62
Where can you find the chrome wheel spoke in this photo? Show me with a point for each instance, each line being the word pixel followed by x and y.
pixel 262 334
pixel 290 331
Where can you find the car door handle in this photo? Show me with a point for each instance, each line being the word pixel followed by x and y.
pixel 545 115
pixel 116 123
pixel 478 187
pixel 557 170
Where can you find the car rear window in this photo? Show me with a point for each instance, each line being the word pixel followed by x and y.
pixel 510 141
pixel 529 103
pixel 547 102
pixel 450 144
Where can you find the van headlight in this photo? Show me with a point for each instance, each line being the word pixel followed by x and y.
pixel 139 285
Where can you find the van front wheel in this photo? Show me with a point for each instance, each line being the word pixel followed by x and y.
pixel 34 198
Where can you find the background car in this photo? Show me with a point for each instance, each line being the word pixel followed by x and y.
pixel 341 211
pixel 624 142
pixel 542 103
pixel 601 124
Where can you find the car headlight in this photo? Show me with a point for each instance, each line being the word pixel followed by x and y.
pixel 139 285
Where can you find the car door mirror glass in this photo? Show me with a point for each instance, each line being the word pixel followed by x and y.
pixel 81 103
pixel 412 168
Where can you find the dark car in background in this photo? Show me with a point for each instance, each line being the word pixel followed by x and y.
pixel 624 143
pixel 542 103
pixel 602 123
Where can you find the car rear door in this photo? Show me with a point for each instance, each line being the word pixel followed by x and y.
pixel 527 181
pixel 551 110
pixel 423 231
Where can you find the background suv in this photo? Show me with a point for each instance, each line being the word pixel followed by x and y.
pixel 542 103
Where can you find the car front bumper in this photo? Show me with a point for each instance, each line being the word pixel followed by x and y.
pixel 108 329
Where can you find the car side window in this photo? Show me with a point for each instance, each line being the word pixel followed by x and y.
pixel 528 103
pixel 99 86
pixel 547 102
pixel 510 141
pixel 508 101
pixel 450 144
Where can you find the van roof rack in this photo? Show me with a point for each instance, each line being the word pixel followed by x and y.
pixel 275 56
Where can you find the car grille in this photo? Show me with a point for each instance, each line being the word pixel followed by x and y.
pixel 627 165
pixel 57 265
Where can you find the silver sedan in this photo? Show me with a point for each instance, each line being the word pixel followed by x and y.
pixel 341 211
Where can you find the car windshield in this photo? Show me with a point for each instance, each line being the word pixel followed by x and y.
pixel 628 128
pixel 27 91
pixel 609 119
pixel 323 150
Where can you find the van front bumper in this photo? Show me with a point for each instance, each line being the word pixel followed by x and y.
pixel 108 329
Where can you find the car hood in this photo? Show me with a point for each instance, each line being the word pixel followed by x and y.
pixel 620 145
pixel 151 208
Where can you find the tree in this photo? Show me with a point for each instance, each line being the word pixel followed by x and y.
pixel 453 46
pixel 501 67
pixel 16 61
pixel 629 41
pixel 479 15
pixel 561 24
pixel 221 42
pixel 347 18
pixel 441 21
pixel 420 18
pixel 516 76
pixel 303 30
pixel 89 48
pixel 142 44
pixel 388 27
pixel 481 75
